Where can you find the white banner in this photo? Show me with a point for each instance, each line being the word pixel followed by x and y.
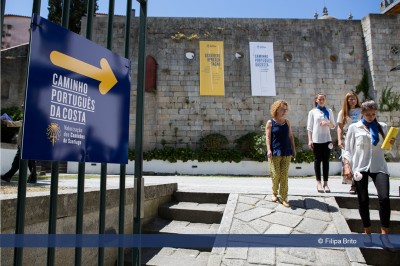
pixel 262 67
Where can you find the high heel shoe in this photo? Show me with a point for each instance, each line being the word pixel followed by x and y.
pixel 327 189
pixel 320 189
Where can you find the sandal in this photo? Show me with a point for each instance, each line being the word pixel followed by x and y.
pixel 285 203
pixel 327 190
pixel 320 189
pixel 274 198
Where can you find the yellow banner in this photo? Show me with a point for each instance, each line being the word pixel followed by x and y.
pixel 212 68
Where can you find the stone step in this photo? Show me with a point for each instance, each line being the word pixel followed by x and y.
pixel 380 257
pixel 351 202
pixel 163 226
pixel 201 197
pixel 169 257
pixel 192 212
pixel 353 219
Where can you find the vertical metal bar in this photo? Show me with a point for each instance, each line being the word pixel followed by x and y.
pixel 128 28
pixel 79 209
pixel 90 14
pixel 110 24
pixel 81 166
pixel 121 226
pixel 65 13
pixel 102 212
pixel 122 177
pixel 139 126
pixel 23 164
pixel 36 7
pixel 3 6
pixel 53 209
pixel 55 167
pixel 103 176
pixel 21 200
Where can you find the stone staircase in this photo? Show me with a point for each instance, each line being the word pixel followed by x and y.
pixel 188 213
pixel 373 256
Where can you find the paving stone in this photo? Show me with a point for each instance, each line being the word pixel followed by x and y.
pixel 186 253
pixel 296 202
pixel 278 229
pixel 198 206
pixel 267 204
pixel 331 229
pixel 312 226
pixel 319 215
pixel 243 207
pixel 248 200
pixel 259 225
pixel 332 257
pixel 240 227
pixel 214 260
pixel 166 251
pixel 253 214
pixel 258 196
pixel 233 262
pixel 297 256
pixel 292 209
pixel 189 228
pixel 259 255
pixel 282 218
pixel 236 253
pixel 214 227
pixel 315 203
pixel 180 257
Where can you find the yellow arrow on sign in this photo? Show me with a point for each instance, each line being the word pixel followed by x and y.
pixel 104 74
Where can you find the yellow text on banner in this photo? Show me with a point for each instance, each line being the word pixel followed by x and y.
pixel 212 68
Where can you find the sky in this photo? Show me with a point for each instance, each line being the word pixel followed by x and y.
pixel 302 9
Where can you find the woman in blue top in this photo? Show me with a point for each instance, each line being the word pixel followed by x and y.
pixel 280 149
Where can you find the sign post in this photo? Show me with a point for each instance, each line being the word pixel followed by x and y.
pixel 77 99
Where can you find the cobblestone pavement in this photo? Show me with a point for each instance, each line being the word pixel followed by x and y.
pixel 257 214
pixel 249 210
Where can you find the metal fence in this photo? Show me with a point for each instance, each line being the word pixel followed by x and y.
pixel 52 222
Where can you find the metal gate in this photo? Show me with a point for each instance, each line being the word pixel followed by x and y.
pixel 52 222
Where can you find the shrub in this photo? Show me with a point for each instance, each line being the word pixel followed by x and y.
pixel 7 133
pixel 249 145
pixel 389 101
pixel 214 142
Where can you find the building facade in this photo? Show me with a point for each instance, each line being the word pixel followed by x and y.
pixel 310 55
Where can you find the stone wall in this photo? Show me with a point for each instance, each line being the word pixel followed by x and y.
pixel 13 75
pixel 327 55
pixel 37 215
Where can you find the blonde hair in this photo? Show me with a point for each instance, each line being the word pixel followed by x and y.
pixel 346 106
pixel 276 105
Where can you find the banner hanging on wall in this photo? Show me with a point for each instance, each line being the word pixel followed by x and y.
pixel 212 68
pixel 262 69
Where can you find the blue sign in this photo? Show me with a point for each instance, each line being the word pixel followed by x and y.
pixel 77 99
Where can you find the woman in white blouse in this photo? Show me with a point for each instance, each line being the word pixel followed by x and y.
pixel 320 122
pixel 364 158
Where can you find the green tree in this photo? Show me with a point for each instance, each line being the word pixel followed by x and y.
pixel 78 9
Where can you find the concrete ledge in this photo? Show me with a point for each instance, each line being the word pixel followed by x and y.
pixel 244 168
pixel 37 215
